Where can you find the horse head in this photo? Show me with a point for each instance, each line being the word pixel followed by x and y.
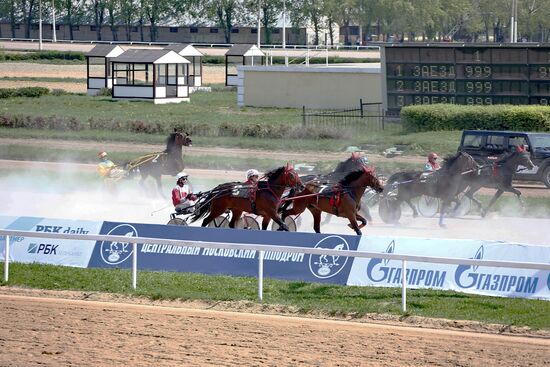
pixel 291 177
pixel 372 181
pixel 461 163
pixel 180 139
pixel 356 161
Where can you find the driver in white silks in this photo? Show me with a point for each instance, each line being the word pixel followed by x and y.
pixel 182 197
pixel 252 177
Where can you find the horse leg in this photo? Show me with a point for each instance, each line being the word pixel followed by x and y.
pixel 265 223
pixel 316 219
pixel 235 216
pixel 353 223
pixel 415 211
pixel 362 219
pixel 444 206
pixel 495 198
pixel 272 214
pixel 518 195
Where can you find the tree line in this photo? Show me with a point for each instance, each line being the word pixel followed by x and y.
pixel 408 20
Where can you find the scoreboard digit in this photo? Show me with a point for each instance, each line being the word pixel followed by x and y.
pixel 465 74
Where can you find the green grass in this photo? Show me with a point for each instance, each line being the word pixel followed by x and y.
pixel 306 298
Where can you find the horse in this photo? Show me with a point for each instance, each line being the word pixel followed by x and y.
pixel 167 162
pixel 354 162
pixel 445 183
pixel 498 175
pixel 263 199
pixel 342 199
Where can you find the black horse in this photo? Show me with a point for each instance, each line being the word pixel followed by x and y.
pixel 498 175
pixel 445 183
pixel 167 162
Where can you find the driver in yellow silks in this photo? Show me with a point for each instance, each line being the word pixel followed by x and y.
pixel 105 165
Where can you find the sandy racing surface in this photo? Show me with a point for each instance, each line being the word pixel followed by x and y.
pixel 58 332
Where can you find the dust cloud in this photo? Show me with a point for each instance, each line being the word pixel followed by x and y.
pixel 75 191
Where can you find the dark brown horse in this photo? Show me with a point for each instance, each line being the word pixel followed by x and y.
pixel 342 199
pixel 445 183
pixel 264 199
pixel 167 162
pixel 499 176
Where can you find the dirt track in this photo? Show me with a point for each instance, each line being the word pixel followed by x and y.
pixel 54 332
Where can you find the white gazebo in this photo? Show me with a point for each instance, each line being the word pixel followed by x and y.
pixel 98 67
pixel 240 55
pixel 195 57
pixel 157 75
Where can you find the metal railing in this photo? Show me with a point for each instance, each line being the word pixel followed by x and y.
pixel 262 249
pixel 367 117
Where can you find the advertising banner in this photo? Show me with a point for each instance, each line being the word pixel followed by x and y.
pixel 49 250
pixel 290 266
pixel 505 282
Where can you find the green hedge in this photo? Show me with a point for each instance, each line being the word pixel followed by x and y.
pixel 41 55
pixel 456 117
pixel 23 92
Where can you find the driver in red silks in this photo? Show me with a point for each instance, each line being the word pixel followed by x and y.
pixel 182 198
pixel 432 164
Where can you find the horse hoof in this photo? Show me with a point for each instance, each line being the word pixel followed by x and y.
pixel 415 214
pixel 442 225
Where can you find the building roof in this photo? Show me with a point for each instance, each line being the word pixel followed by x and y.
pixel 105 51
pixel 184 49
pixel 146 56
pixel 244 50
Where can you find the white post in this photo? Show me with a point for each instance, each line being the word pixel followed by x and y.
pixel 54 38
pixel 326 56
pixel 307 56
pixel 513 23
pixel 40 25
pixel 259 23
pixel 404 287
pixel 261 275
pixel 7 259
pixel 284 32
pixel 134 265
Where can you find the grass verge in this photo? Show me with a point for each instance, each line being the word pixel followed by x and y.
pixel 305 298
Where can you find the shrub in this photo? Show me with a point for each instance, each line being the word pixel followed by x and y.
pixel 455 117
pixel 104 92
pixel 23 92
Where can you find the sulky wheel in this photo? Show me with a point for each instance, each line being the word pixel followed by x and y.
pixel 290 223
pixel 428 206
pixel 389 210
pixel 464 207
pixel 247 222
pixel 220 222
pixel 177 222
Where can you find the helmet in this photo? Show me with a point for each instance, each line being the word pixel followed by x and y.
pixel 432 156
pixel 102 154
pixel 180 175
pixel 251 172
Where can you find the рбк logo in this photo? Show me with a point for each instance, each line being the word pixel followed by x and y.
pixel 327 266
pixel 114 253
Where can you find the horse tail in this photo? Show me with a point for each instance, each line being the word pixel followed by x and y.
pixel 202 206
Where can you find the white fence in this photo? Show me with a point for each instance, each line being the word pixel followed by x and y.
pixel 262 249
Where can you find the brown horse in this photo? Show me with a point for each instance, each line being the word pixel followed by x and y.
pixel 263 199
pixel 342 199
pixel 167 162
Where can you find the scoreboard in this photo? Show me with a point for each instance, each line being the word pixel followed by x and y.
pixel 467 74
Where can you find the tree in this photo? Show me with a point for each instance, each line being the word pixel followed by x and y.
pixel 223 13
pixel 98 8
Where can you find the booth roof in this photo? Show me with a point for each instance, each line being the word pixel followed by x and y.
pixel 146 56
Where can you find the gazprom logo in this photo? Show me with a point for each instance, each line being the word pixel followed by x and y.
pixel 490 281
pixel 327 266
pixel 384 271
pixel 114 253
